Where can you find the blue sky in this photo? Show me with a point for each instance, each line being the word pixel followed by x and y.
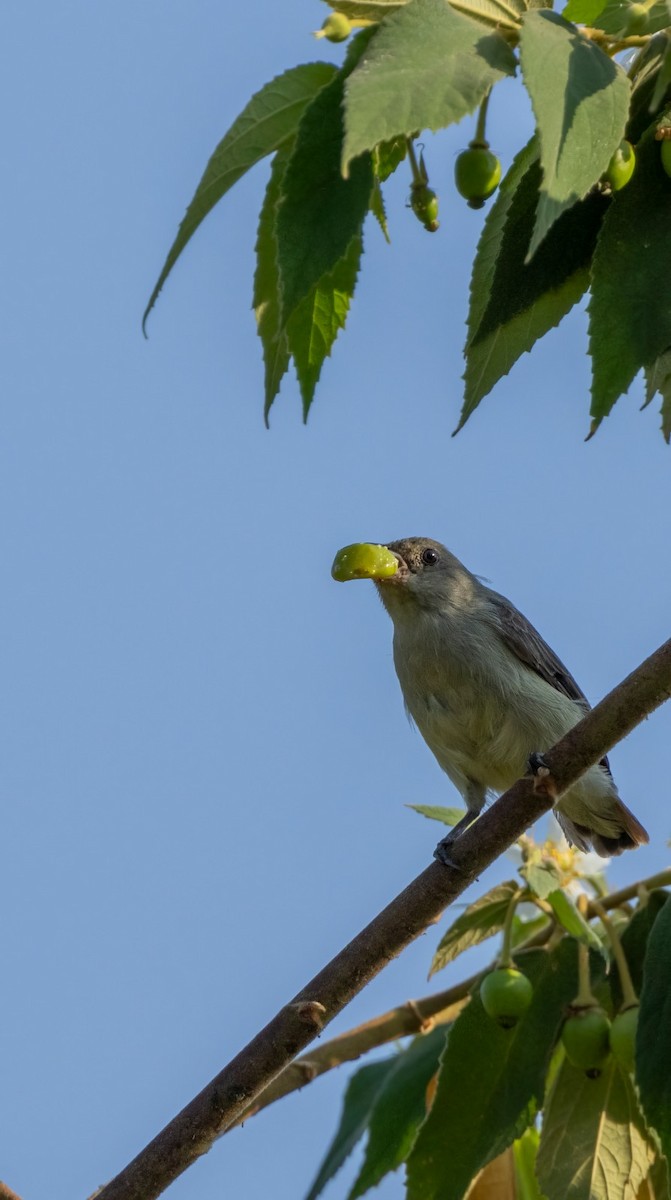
pixel 205 756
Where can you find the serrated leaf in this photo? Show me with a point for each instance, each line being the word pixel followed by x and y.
pixel 481 920
pixel 496 1181
pixel 574 923
pixel 314 325
pixel 270 118
pixel 634 940
pixel 580 98
pixel 319 213
pixel 658 379
pixel 427 67
pixel 491 1081
pixel 525 1152
pixel 388 156
pixel 379 211
pixel 542 878
pixel 360 1095
pixel 399 1109
pixel 436 812
pixel 594 1144
pixel 632 264
pixel 514 302
pixel 266 298
pixel 653 1040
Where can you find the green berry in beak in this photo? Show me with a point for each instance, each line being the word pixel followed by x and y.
pixel 364 561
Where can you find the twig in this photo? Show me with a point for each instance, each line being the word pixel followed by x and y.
pixel 415 1015
pixel 237 1086
pixel 6 1192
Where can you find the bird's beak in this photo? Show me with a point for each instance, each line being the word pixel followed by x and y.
pixel 364 560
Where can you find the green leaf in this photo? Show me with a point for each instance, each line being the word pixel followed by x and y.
pixel 663 81
pixel 427 67
pixel 319 213
pixel 583 12
pixel 574 923
pixel 491 1081
pixel 377 207
pixel 613 17
pixel 271 117
pixel 436 812
pixel 266 300
pixel 388 156
pixel 399 1109
pixel 580 98
pixel 515 302
pixel 522 930
pixel 360 1095
pixel 653 1041
pixel 632 263
pixel 366 10
pixel 634 939
pixel 481 920
pixel 314 325
pixel 542 878
pixel 525 1151
pixel 594 1144
pixel 645 100
pixel 658 379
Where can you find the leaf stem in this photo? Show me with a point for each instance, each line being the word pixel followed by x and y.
pixel 418 179
pixel 629 997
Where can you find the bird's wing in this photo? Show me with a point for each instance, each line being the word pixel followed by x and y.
pixel 527 644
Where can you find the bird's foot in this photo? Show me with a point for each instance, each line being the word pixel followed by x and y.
pixel 441 853
pixel 544 783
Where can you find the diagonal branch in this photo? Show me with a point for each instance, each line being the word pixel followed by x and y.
pixel 235 1089
pixel 414 1016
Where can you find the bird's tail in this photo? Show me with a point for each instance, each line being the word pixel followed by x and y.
pixel 629 835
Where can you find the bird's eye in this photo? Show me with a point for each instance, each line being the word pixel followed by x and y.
pixel 429 556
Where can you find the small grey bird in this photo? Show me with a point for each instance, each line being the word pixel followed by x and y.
pixel 483 688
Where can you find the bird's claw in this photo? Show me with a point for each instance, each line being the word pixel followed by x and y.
pixel 544 784
pixel 441 854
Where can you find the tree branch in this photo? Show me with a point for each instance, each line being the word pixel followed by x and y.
pixel 223 1101
pixel 414 1016
pixel 6 1192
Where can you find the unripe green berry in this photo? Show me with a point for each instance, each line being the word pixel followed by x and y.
pixel 585 1039
pixel 621 166
pixel 337 28
pixel 506 995
pixel 635 19
pixel 424 204
pixel 665 151
pixel 477 173
pixel 623 1038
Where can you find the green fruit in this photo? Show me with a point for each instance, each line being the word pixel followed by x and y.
pixel 635 19
pixel 665 151
pixel 336 28
pixel 621 166
pixel 623 1038
pixel 585 1039
pixel 477 173
pixel 364 561
pixel 506 995
pixel 424 204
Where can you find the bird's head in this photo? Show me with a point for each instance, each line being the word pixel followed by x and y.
pixel 417 571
